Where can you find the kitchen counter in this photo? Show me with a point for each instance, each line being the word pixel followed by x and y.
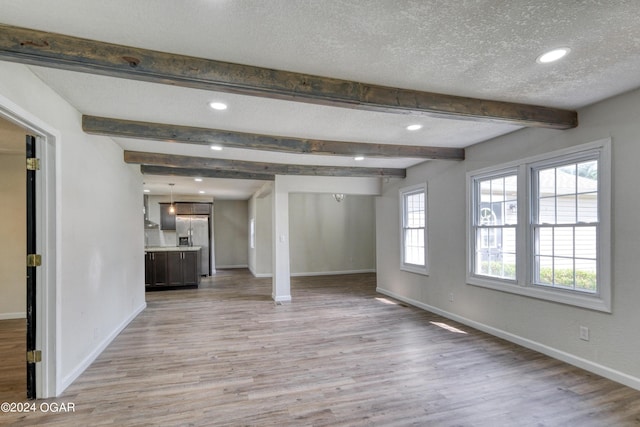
pixel 171 267
pixel 171 248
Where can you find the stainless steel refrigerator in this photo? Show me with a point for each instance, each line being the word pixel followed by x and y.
pixel 194 230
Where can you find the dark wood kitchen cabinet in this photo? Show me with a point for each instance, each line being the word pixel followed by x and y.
pixel 167 219
pixel 201 208
pixel 178 269
pixel 155 268
pixel 191 268
pixel 182 268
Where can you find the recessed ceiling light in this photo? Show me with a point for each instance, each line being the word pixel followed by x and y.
pixel 218 105
pixel 146 190
pixel 358 158
pixel 201 192
pixel 414 127
pixel 553 55
pixel 197 179
pixel 216 147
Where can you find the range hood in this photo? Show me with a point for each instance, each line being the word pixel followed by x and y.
pixel 148 224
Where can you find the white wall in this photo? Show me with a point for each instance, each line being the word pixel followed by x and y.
pixel 99 228
pixel 329 237
pixel 549 327
pixel 13 225
pixel 231 233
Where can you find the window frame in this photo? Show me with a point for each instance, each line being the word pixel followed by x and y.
pixel 472 226
pixel 525 241
pixel 403 193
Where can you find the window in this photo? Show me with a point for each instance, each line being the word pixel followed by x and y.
pixel 565 224
pixel 413 201
pixel 540 227
pixel 495 219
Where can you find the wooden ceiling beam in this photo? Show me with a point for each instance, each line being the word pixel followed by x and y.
pixel 75 54
pixel 204 136
pixel 187 162
pixel 204 173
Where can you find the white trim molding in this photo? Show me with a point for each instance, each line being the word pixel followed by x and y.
pixel 9 316
pixel 332 273
pixel 48 138
pixel 403 194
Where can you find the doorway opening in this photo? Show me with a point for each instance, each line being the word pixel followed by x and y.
pixel 41 373
pixel 13 310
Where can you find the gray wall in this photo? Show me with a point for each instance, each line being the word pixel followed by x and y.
pixel 325 237
pixel 13 224
pixel 546 326
pixel 231 233
pixel 330 237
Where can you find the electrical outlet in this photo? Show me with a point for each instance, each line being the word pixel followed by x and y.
pixel 584 333
pixel 451 297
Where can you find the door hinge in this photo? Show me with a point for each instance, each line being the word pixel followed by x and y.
pixel 34 260
pixel 33 164
pixel 34 356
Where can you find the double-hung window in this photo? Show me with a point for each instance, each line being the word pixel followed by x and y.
pixel 540 227
pixel 565 223
pixel 495 218
pixel 413 203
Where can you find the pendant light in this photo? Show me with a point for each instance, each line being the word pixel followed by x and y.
pixel 172 209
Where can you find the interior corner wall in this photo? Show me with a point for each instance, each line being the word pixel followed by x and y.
pixel 330 237
pixel 549 327
pixel 231 231
pixel 13 225
pixel 99 228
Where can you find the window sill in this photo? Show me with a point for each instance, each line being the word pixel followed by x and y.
pixel 415 269
pixel 591 302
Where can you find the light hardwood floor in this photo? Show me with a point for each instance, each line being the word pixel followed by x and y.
pixel 13 348
pixel 339 355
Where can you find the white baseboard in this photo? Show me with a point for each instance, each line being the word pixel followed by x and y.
pixel 332 273
pixel 316 273
pixel 281 299
pixel 261 275
pixel 585 364
pixel 73 375
pixel 7 316
pixel 222 267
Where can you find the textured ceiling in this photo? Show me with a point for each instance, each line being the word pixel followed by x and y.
pixel 483 49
